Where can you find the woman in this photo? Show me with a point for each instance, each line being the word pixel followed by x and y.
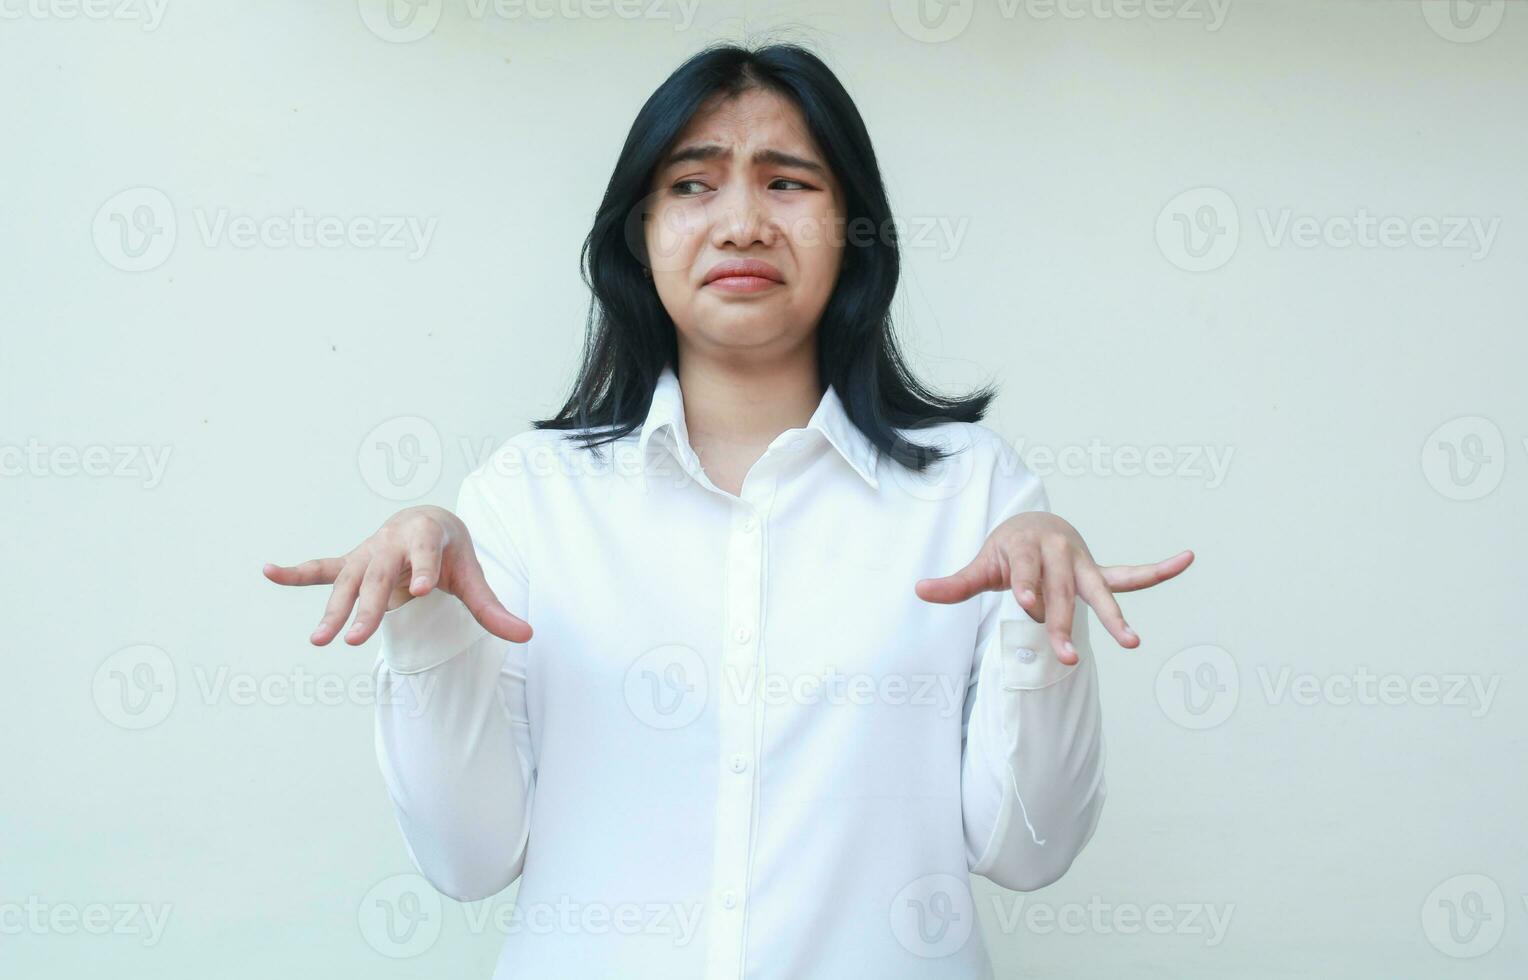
pixel 750 737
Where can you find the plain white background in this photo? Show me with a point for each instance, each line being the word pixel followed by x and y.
pixel 1288 237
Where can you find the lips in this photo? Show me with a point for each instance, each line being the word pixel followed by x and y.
pixel 744 271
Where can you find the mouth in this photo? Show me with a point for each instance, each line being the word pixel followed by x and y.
pixel 742 284
pixel 743 276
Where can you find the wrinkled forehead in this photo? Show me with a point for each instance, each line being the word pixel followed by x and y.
pixel 757 127
pixel 749 120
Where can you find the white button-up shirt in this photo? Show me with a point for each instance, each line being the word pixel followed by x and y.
pixel 739 746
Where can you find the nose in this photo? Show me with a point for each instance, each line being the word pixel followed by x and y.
pixel 740 219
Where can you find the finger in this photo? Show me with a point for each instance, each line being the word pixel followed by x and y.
pixel 424 560
pixel 486 607
pixel 338 608
pixel 980 575
pixel 1060 593
pixel 1095 592
pixel 376 587
pixel 1129 578
pixel 315 571
pixel 1024 573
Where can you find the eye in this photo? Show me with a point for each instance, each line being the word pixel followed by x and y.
pixel 681 187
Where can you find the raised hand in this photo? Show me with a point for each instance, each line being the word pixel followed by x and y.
pixel 416 550
pixel 1046 563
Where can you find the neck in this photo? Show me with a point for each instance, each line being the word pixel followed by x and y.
pixel 740 405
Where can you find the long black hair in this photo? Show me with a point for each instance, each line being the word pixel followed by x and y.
pixel 630 336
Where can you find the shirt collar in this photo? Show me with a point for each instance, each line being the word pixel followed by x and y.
pixel 830 419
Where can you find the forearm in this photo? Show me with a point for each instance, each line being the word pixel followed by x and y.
pixel 453 744
pixel 1032 776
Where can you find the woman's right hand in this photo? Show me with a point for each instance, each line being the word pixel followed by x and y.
pixel 418 549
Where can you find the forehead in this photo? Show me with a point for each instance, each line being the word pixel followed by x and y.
pixel 755 117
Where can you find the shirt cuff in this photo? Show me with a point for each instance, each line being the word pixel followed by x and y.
pixel 427 631
pixel 1028 660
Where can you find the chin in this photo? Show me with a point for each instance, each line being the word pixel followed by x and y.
pixel 749 331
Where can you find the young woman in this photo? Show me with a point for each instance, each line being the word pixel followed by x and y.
pixel 759 731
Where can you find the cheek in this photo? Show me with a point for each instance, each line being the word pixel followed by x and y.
pixel 673 235
pixel 818 231
pixel 817 264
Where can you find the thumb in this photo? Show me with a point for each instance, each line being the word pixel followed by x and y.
pixel 976 577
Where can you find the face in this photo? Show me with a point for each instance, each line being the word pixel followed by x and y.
pixel 745 182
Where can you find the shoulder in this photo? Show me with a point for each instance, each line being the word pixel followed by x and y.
pixel 984 468
pixel 495 485
pixel 510 489
pixel 974 446
pixel 533 453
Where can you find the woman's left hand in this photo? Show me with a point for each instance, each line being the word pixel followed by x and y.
pixel 1046 563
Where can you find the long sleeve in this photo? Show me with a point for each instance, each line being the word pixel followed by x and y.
pixel 452 735
pixel 1032 777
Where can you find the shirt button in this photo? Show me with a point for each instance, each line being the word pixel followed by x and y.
pixel 742 634
pixel 750 522
pixel 791 445
pixel 1026 655
pixel 739 763
pixel 729 899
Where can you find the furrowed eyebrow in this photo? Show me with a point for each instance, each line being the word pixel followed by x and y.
pixel 713 151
